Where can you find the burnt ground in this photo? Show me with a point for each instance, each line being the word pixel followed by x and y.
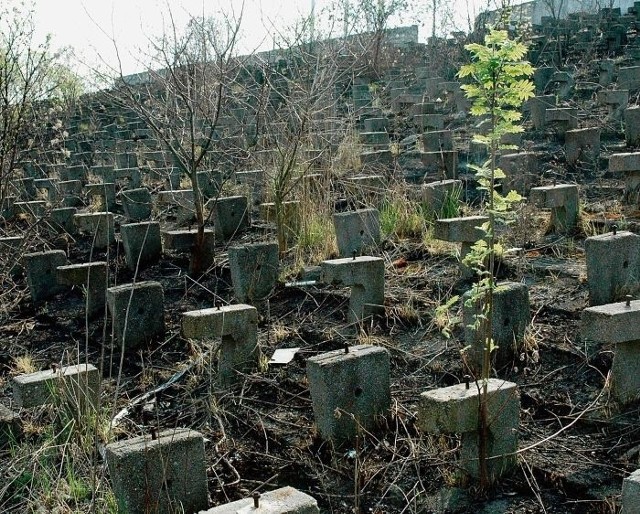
pixel 576 444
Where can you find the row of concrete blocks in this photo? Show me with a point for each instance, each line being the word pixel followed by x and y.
pixel 169 468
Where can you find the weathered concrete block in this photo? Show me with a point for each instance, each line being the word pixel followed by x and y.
pixel 613 266
pixel 437 140
pixel 365 276
pixel 521 170
pixel 436 195
pixel 106 191
pixel 230 216
pixel 629 77
pixel 617 323
pixel 136 203
pixel 632 125
pixel 563 200
pixel 631 493
pixel 377 125
pixel 237 326
pixel 357 231
pixel 142 243
pixel 562 119
pixel 63 219
pixel 354 383
pixel 285 500
pixel 41 273
pixel 77 386
pixel 185 239
pixel 611 323
pixel 34 209
pixel 441 164
pixel 460 230
pixel 539 106
pixel 455 409
pixel 93 275
pixel 137 312
pixel 254 271
pixel 375 139
pixel 429 121
pixel 511 316
pixel 582 145
pixel 98 224
pixel 160 475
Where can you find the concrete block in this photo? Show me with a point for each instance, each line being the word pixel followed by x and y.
pixel 437 140
pixel 365 276
pixel 180 197
pixel 429 121
pixel 285 500
pixel 161 475
pixel 624 162
pixel 582 145
pixel 230 216
pixel 441 164
pixel 436 195
pixel 237 326
pixel 356 383
pixel 511 316
pixel 631 493
pixel 142 243
pixel 617 323
pixel 521 170
pixel 185 239
pixel 34 209
pixel 77 386
pixel 92 275
pixel 63 219
pixel 611 323
pixel 136 203
pixel 563 200
pixel 254 271
pixel 357 232
pixel 106 191
pixel 137 312
pixel 632 125
pixel 456 410
pixel 377 125
pixel 629 77
pixel 460 230
pixel 100 225
pixel 539 106
pixel 562 119
pixel 40 268
pixel 613 266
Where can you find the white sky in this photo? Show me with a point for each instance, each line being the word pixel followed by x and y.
pixel 89 25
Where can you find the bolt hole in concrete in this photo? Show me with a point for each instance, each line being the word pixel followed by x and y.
pixel 506 322
pixel 625 264
pixel 362 232
pixel 358 392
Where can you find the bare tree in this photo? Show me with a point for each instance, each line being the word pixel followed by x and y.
pixel 27 77
pixel 184 91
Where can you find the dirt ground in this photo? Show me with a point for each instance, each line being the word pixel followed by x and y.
pixel 575 444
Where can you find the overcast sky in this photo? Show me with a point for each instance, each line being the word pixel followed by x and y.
pixel 89 26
